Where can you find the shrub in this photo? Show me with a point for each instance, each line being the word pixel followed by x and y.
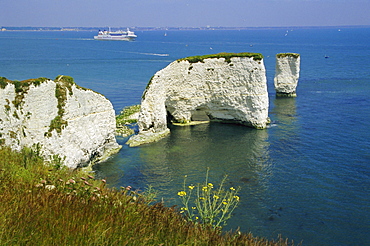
pixel 62 84
pixel 211 206
pixel 3 82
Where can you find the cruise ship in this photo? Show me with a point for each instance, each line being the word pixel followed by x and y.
pixel 117 35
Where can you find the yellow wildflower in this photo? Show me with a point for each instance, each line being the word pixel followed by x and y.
pixel 210 185
pixel 232 188
pixel 181 193
pixel 216 197
pixel 205 188
pixel 236 197
pixel 191 187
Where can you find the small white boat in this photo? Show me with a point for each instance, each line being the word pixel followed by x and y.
pixel 117 35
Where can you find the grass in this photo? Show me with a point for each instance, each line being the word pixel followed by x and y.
pixel 43 204
pixel 21 88
pixel 124 116
pixel 63 83
pixel 147 87
pixel 227 56
pixel 125 119
pixel 282 55
pixel 4 82
pixel 37 81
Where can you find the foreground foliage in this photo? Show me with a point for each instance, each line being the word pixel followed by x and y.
pixel 209 206
pixel 48 205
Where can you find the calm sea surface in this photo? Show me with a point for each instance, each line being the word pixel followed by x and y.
pixel 306 177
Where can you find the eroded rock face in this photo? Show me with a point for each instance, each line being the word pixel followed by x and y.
pixel 286 74
pixel 227 89
pixel 74 123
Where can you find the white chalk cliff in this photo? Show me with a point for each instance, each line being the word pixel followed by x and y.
pixel 287 74
pixel 68 121
pixel 227 87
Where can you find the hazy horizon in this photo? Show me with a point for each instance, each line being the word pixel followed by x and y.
pixel 188 27
pixel 184 13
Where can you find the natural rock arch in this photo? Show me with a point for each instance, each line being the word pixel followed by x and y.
pixel 225 87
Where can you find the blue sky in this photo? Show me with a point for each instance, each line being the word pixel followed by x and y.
pixel 186 13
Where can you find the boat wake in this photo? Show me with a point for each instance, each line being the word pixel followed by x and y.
pixel 153 54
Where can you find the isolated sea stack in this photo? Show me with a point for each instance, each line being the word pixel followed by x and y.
pixel 227 87
pixel 286 74
pixel 72 123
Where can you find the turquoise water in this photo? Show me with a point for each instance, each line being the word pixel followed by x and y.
pixel 306 177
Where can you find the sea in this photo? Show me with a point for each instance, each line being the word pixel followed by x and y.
pixel 306 177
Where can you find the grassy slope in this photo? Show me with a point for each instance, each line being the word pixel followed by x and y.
pixel 43 205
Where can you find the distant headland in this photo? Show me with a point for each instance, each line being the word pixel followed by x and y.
pixel 134 28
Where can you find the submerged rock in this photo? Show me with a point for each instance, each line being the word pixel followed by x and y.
pixel 68 121
pixel 286 74
pixel 227 87
pixel 127 117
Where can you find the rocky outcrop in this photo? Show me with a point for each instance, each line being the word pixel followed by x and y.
pixel 125 120
pixel 226 87
pixel 66 120
pixel 286 74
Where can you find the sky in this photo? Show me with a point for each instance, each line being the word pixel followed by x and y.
pixel 183 13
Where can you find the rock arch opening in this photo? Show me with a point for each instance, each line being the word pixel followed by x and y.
pixel 200 114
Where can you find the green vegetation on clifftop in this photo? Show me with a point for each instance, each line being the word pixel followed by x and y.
pixel 21 88
pixel 63 86
pixel 281 55
pixel 4 82
pixel 227 56
pixel 63 83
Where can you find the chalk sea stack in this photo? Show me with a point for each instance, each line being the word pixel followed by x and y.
pixel 287 74
pixel 227 87
pixel 68 121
